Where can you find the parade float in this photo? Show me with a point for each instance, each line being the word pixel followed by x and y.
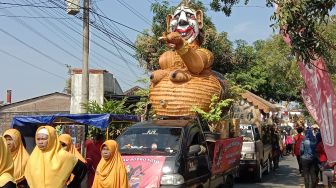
pixel 185 78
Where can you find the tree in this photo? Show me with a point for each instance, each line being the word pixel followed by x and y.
pixel 110 107
pixel 272 72
pixel 301 19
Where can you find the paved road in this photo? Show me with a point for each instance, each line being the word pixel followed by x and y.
pixel 286 176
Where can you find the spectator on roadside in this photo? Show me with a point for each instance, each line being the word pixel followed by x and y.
pixel 309 159
pixel 328 173
pixel 289 144
pixel 296 146
pixel 321 155
pixel 316 129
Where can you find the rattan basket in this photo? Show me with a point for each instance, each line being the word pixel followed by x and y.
pixel 177 99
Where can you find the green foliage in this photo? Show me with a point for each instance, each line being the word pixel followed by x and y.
pixel 301 18
pixel 58 129
pixel 110 107
pixel 269 71
pixel 216 109
pixel 224 5
pixel 140 107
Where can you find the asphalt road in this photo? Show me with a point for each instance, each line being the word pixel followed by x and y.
pixel 286 176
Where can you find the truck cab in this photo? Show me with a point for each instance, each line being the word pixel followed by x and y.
pixel 255 155
pixel 172 153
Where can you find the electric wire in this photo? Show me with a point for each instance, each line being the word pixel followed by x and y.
pixel 33 17
pixel 99 44
pixel 94 42
pixel 27 5
pixel 43 36
pixel 32 65
pixel 37 17
pixel 135 12
pixel 123 59
pixel 115 29
pixel 33 48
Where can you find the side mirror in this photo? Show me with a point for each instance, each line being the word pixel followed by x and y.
pixel 194 149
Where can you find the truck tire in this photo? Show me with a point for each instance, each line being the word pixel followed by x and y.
pixel 229 182
pixel 259 172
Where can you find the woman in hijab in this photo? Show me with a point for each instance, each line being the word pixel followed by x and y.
pixel 309 159
pixel 19 154
pixel 111 172
pixel 6 166
pixel 66 143
pixel 92 158
pixel 50 166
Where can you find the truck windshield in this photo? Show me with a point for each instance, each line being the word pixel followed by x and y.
pixel 150 141
pixel 246 133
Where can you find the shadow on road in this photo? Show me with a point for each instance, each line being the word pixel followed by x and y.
pixel 287 175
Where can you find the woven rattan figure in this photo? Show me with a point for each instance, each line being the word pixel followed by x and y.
pixel 185 78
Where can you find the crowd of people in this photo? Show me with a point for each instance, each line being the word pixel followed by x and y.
pixel 306 145
pixel 56 163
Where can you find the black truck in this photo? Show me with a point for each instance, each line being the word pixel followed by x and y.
pixel 178 153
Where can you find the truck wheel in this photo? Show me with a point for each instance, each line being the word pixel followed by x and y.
pixel 259 173
pixel 228 182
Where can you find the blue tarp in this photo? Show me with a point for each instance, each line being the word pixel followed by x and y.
pixel 97 120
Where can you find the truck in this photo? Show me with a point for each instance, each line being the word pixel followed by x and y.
pixel 178 153
pixel 256 156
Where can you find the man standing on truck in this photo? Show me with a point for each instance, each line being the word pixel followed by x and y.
pixel 296 146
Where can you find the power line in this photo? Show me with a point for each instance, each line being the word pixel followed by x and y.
pixel 127 64
pixel 135 12
pixel 27 5
pixel 93 41
pixel 94 34
pixel 128 27
pixel 107 33
pixel 34 17
pixel 95 6
pixel 44 37
pixel 55 27
pixel 15 6
pixel 36 50
pixel 37 67
pixel 115 26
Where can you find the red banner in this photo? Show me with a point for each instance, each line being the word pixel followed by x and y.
pixel 319 98
pixel 144 171
pixel 226 154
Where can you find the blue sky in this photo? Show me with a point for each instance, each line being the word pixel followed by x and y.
pixel 28 73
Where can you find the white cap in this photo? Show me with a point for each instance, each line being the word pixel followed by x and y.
pixel 43 131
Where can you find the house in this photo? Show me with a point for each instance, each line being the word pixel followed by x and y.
pixel 102 85
pixel 45 104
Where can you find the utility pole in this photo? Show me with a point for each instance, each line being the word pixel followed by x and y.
pixel 73 8
pixel 85 69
